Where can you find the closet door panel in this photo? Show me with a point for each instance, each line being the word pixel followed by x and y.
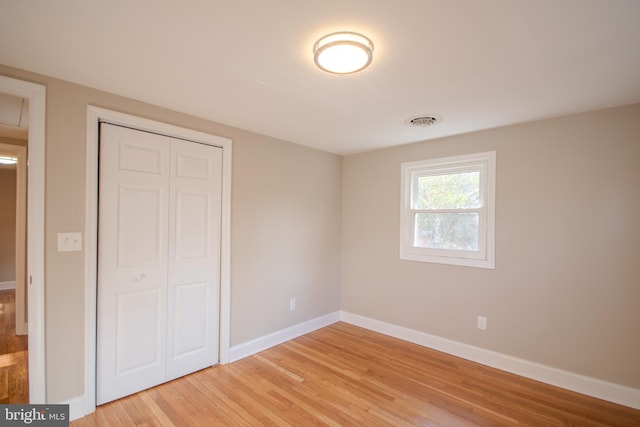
pixel 194 257
pixel 158 259
pixel 191 307
pixel 132 261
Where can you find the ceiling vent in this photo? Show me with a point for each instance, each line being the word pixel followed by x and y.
pixel 423 121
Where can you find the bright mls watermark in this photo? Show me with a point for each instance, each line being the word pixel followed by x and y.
pixel 34 415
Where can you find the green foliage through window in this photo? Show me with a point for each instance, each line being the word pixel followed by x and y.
pixel 458 231
pixel 450 191
pixel 445 192
pixel 448 210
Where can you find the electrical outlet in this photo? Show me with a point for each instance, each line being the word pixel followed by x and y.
pixel 482 323
pixel 292 304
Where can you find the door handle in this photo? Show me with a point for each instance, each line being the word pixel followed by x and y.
pixel 139 277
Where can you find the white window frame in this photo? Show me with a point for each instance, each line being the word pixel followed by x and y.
pixel 485 163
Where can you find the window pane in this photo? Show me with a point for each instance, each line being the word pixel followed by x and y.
pixel 450 191
pixel 457 231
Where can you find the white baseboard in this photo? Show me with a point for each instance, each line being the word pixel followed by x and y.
pixel 4 286
pixel 600 389
pixel 257 345
pixel 594 387
pixel 76 407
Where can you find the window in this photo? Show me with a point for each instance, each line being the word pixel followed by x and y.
pixel 448 210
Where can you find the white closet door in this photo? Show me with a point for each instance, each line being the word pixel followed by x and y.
pixel 132 261
pixel 194 257
pixel 158 260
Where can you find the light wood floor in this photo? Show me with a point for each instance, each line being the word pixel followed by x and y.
pixel 344 375
pixel 14 360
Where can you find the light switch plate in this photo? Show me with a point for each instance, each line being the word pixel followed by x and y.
pixel 69 242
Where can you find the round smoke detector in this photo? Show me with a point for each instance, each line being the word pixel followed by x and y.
pixel 423 121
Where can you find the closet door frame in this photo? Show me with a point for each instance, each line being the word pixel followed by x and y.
pixel 95 115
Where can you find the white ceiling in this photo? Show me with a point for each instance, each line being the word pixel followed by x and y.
pixel 248 63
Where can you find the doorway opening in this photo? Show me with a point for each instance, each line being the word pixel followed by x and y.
pixel 27 300
pixel 14 366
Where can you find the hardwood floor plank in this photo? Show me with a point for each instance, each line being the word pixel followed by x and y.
pixel 85 422
pixel 182 405
pixel 168 409
pixel 255 399
pixel 207 408
pixel 348 392
pixel 343 375
pixel 14 356
pixel 4 385
pixel 431 392
pixel 157 412
pixel 289 389
pixel 334 403
pixel 230 413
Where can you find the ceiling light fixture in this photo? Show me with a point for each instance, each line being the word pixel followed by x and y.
pixel 343 52
pixel 8 160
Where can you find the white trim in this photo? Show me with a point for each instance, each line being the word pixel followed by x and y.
pixel 76 407
pixel 594 387
pixel 8 285
pixel 485 163
pixel 35 241
pixel 257 345
pixel 79 408
pixel 94 116
pixel 225 255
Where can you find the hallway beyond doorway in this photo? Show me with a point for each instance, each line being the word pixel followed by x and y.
pixel 14 355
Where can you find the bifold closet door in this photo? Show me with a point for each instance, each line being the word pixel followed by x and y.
pixel 195 209
pixel 158 259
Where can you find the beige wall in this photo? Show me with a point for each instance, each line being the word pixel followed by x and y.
pixel 565 291
pixel 286 215
pixel 7 225
pixel 285 236
pixel 566 288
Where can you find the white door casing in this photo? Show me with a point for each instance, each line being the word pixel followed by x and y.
pixel 36 94
pixel 159 259
pixel 86 404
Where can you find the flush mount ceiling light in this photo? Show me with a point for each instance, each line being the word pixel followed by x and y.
pixel 8 160
pixel 343 53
